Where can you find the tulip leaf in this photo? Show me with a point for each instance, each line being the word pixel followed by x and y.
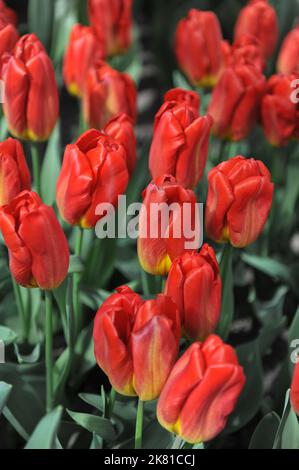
pixel 293 338
pixel 265 432
pixel 227 308
pixel 76 265
pixel 251 396
pixel 65 16
pixel 7 335
pixel 100 426
pixel 40 17
pixel 45 434
pixel 5 391
pixel 180 81
pixel 287 436
pixel 51 167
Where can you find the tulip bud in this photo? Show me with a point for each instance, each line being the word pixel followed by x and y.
pixel 288 59
pixel 83 50
pixel 136 343
pixel 198 47
pixel 235 101
pixel 259 19
pixel 37 246
pixel 112 22
pixel 180 141
pixel 247 51
pixel 94 171
pixel 194 284
pixel 8 35
pixel 167 213
pixel 239 201
pixel 14 172
pixel 9 14
pixel 121 129
pixel 280 115
pixel 201 391
pixel 180 96
pixel 295 389
pixel 107 94
pixel 31 96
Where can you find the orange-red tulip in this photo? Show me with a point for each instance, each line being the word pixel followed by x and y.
pixel 288 59
pixel 198 47
pixel 295 389
pixel 181 139
pixel 201 391
pixel 239 201
pixel 136 343
pixel 236 101
pixel 94 171
pixel 280 115
pixel 83 50
pixel 14 172
pixel 247 51
pixel 8 35
pixel 10 14
pixel 121 128
pixel 107 94
pixel 31 96
pixel 37 246
pixel 167 210
pixel 194 284
pixel 259 19
pixel 112 22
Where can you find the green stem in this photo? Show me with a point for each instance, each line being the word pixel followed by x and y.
pixel 49 350
pixel 111 402
pixel 36 167
pixel 227 307
pixel 20 307
pixel 223 151
pixel 76 283
pixel 139 425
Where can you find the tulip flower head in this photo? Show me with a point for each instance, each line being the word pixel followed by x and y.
pixel 247 51
pixel 295 389
pixel 236 100
pixel 239 201
pixel 108 93
pixel 198 47
pixel 94 171
pixel 194 284
pixel 112 22
pixel 279 113
pixel 201 391
pixel 9 14
pixel 37 246
pixel 136 343
pixel 8 35
pixel 121 129
pixel 288 59
pixel 14 172
pixel 181 138
pixel 259 19
pixel 31 103
pixel 83 50
pixel 167 211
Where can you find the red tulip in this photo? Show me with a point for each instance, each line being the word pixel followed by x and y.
pixel 235 101
pixel 247 51
pixel 259 19
pixel 9 14
pixel 194 284
pixel 136 343
pixel 198 47
pixel 31 97
pixel 14 172
pixel 288 59
pixel 83 50
pixel 295 390
pixel 112 22
pixel 168 211
pixel 201 391
pixel 94 171
pixel 8 35
pixel 180 96
pixel 121 129
pixel 280 116
pixel 37 246
pixel 107 94
pixel 181 139
pixel 239 201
